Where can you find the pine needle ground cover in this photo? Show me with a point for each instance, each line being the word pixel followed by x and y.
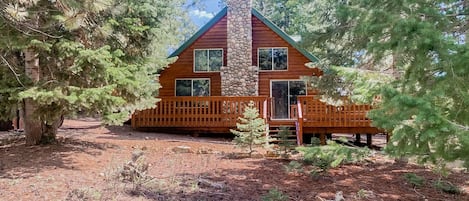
pixel 85 163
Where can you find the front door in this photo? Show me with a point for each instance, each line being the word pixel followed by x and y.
pixel 284 96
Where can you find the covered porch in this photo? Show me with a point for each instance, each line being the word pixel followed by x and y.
pixel 218 114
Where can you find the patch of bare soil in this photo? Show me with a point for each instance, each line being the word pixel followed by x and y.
pixel 87 162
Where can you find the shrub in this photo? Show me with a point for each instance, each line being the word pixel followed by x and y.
pixel 135 171
pixel 284 144
pixel 274 195
pixel 315 141
pixel 294 166
pixel 446 187
pixel 332 155
pixel 413 179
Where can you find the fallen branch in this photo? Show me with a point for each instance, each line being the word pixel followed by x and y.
pixel 418 193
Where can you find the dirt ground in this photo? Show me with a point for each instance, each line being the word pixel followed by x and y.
pixel 85 162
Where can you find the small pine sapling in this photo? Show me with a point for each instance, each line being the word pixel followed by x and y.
pixel 251 129
pixel 415 180
pixel 284 143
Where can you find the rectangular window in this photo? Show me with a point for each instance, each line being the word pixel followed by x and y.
pixel 273 58
pixel 208 60
pixel 193 87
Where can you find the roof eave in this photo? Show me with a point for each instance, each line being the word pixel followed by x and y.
pixel 256 13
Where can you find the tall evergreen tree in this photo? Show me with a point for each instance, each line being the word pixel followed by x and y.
pixel 424 43
pixel 420 49
pixel 313 22
pixel 66 56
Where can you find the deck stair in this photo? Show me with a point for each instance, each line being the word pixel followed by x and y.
pixel 275 134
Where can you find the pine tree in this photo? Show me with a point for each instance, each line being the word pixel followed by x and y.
pixel 284 143
pixel 423 45
pixel 251 129
pixel 94 57
pixel 418 51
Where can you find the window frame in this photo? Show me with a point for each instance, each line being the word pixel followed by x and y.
pixel 192 85
pixel 208 59
pixel 272 67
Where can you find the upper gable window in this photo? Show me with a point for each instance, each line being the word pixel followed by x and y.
pixel 208 60
pixel 273 58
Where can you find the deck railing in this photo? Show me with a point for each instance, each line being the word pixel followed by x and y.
pixel 315 113
pixel 194 112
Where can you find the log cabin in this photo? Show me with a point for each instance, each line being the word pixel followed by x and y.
pixel 237 57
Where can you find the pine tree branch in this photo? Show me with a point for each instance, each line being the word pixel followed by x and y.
pixel 43 33
pixel 12 70
pixel 16 25
pixel 462 127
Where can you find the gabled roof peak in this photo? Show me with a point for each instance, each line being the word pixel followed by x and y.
pixel 257 14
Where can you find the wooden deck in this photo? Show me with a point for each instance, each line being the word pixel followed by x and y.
pixel 318 117
pixel 197 113
pixel 219 114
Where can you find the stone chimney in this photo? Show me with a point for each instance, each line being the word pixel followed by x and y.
pixel 239 77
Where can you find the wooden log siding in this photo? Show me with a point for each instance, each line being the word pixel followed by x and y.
pixel 315 113
pixel 197 112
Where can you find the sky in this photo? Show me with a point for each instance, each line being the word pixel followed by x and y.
pixel 200 16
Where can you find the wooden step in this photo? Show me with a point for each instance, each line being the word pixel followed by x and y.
pixel 277 141
pixel 278 136
pixel 274 133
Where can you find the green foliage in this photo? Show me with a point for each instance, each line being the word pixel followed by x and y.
pixel 294 166
pixel 95 57
pixel 447 187
pixel 414 179
pixel 419 52
pixel 332 155
pixel 361 86
pixel 315 141
pixel 425 108
pixel 251 129
pixel 314 22
pixel 274 195
pixel 284 143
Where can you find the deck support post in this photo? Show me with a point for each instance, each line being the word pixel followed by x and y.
pixel 369 140
pixel 329 136
pixel 322 137
pixel 388 137
pixel 358 138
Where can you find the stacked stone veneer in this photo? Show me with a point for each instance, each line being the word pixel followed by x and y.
pixel 239 77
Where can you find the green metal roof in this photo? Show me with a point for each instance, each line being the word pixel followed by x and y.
pixel 256 13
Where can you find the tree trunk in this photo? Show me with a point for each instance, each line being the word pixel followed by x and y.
pixel 49 130
pixel 32 122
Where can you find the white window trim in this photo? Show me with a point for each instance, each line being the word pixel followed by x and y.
pixel 272 68
pixel 270 92
pixel 192 84
pixel 207 49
